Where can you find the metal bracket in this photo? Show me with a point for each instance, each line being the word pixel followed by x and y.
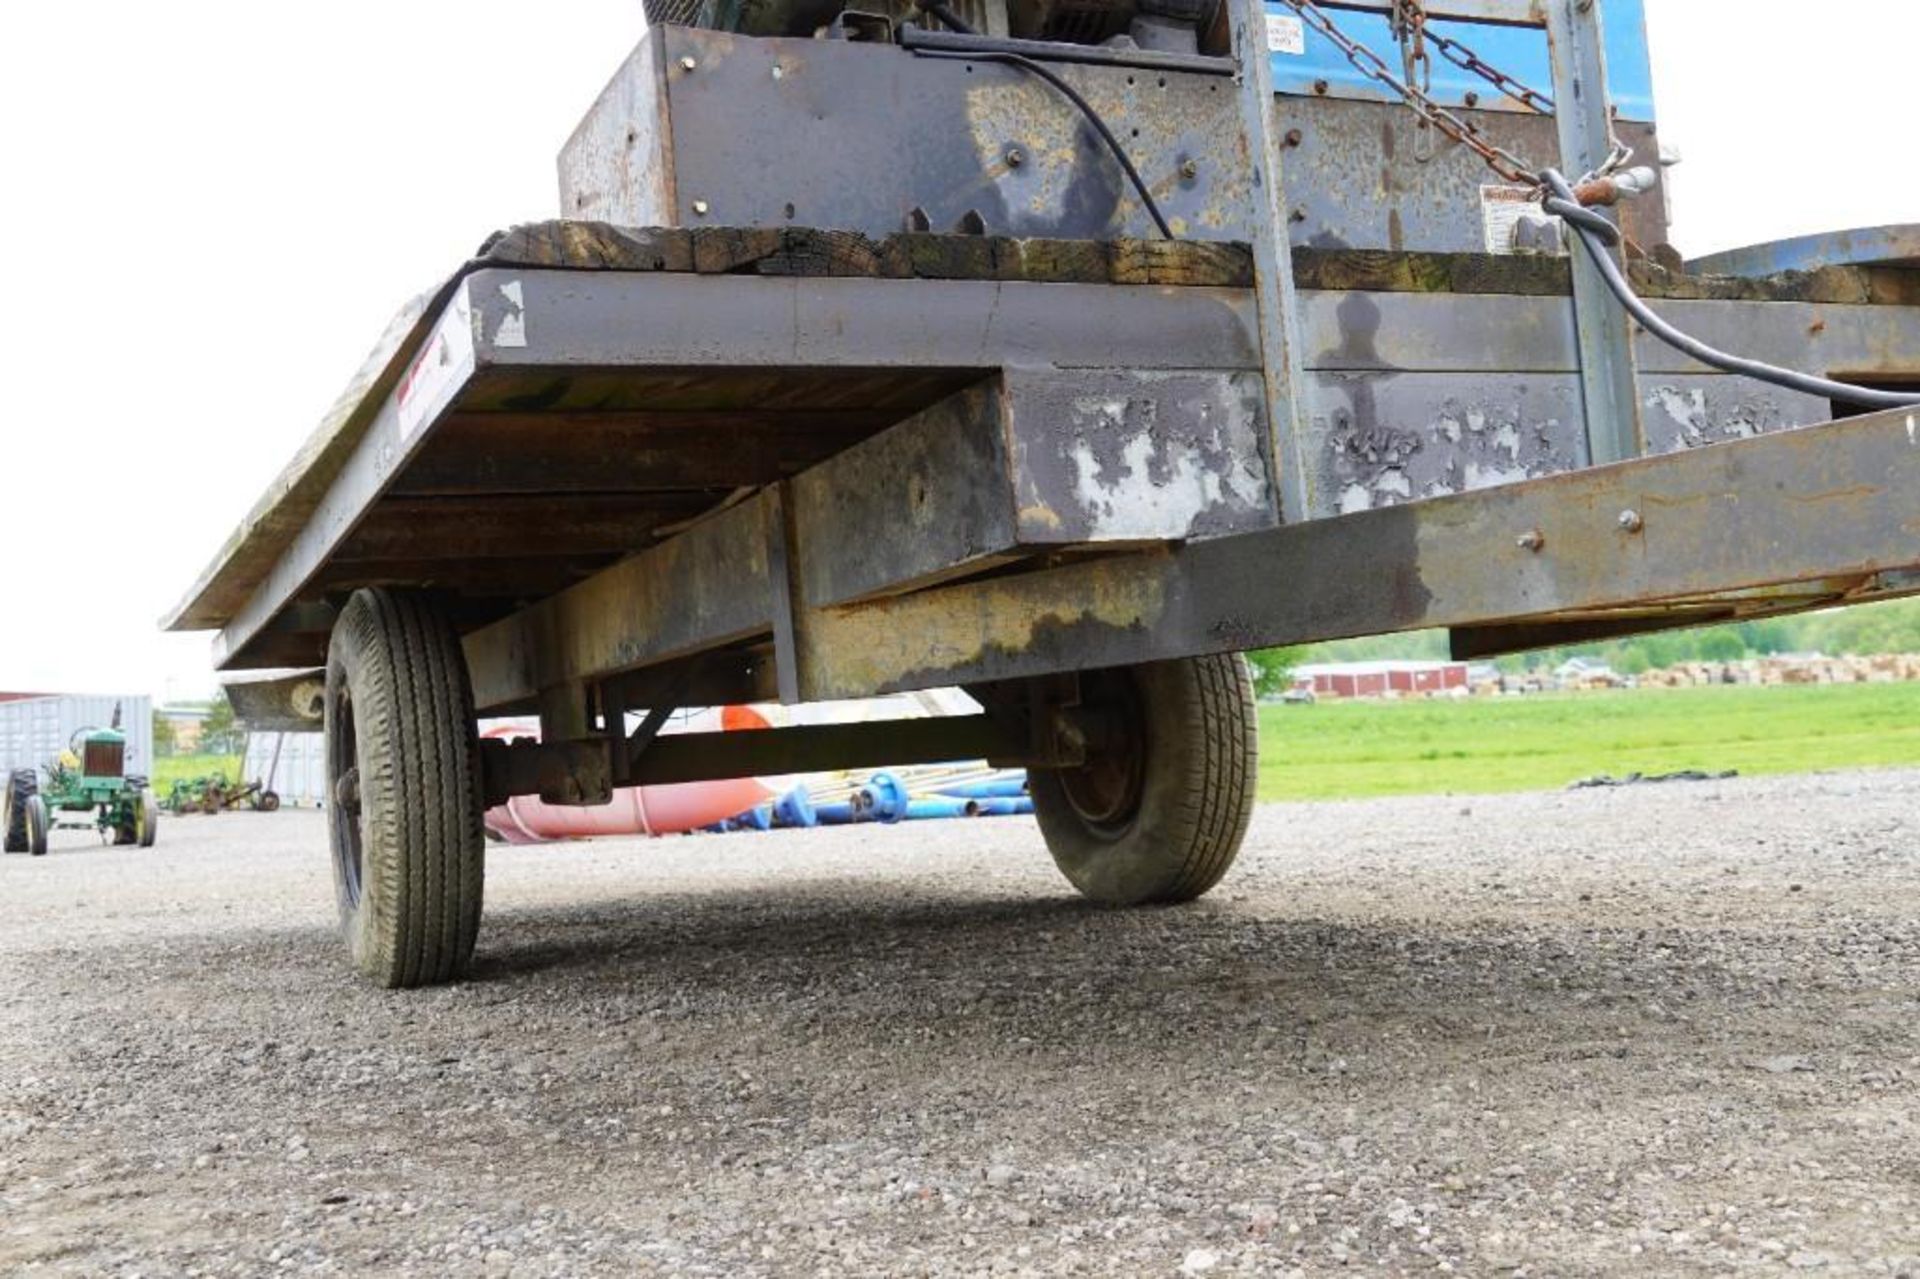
pixel 1605 335
pixel 1274 298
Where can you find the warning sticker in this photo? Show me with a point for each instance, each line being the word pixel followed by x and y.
pixel 1501 210
pixel 440 368
pixel 1285 34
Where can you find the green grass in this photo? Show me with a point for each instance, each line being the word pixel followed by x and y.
pixel 1339 750
pixel 168 769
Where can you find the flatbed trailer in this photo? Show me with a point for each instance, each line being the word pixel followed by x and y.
pixel 607 469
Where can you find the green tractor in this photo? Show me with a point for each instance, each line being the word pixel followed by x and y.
pixel 87 786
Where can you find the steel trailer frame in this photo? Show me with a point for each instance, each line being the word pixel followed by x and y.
pixel 875 464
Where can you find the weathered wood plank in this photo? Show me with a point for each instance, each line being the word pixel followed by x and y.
pixel 519 525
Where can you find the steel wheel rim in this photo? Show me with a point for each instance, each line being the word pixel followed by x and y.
pixel 343 766
pixel 1105 792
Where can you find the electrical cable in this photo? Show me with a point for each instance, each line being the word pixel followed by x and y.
pixel 939 9
pixel 1596 235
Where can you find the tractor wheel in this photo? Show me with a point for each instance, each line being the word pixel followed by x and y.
pixel 21 783
pixel 403 777
pixel 267 802
pixel 146 818
pixel 1158 811
pixel 37 825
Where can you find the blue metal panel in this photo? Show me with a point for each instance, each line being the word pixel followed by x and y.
pixel 1520 52
pixel 1861 246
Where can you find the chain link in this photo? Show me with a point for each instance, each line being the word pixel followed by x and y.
pixel 1408 22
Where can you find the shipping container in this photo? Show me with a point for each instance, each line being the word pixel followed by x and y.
pixel 291 765
pixel 34 730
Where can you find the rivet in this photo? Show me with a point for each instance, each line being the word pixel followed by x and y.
pixel 1531 540
pixel 1631 522
pixel 700 207
pixel 1293 137
pixel 687 63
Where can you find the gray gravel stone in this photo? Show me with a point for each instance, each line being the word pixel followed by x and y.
pixel 1557 1033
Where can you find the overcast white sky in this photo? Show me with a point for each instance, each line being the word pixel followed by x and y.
pixel 209 211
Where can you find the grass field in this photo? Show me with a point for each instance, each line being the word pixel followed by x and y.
pixel 1337 750
pixel 168 769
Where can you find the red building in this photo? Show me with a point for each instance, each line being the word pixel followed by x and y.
pixel 1380 679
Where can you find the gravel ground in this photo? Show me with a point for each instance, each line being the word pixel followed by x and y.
pixel 1667 1029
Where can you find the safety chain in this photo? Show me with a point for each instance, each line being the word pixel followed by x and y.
pixel 1409 25
pixel 1469 61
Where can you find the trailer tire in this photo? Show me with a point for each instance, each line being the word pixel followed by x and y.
pixel 21 783
pixel 1159 811
pixel 38 822
pixel 403 773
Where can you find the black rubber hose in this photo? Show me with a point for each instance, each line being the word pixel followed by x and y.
pixel 939 9
pixel 1596 235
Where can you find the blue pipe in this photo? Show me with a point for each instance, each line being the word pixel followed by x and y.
pixel 1004 787
pixel 795 808
pixel 1000 806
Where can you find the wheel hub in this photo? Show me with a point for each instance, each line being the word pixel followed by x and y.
pixel 1105 792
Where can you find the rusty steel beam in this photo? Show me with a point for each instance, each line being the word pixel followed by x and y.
pixel 704 588
pixel 1821 502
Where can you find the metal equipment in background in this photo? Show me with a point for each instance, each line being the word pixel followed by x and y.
pixel 214 793
pixel 1059 350
pixel 87 787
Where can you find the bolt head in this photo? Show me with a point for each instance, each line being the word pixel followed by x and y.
pixel 687 63
pixel 1531 540
pixel 700 207
pixel 1189 170
pixel 1631 522
pixel 1015 157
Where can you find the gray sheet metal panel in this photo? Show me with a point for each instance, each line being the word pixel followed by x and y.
pixel 1353 180
pixel 1031 460
pixel 615 168
pixel 1498 333
pixel 779 132
pixel 1387 438
pixel 613 319
pixel 34 730
pixel 834 134
pixel 1112 455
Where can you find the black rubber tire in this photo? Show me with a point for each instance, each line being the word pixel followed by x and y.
pixel 266 802
pixel 21 782
pixel 409 855
pixel 38 823
pixel 1192 753
pixel 147 820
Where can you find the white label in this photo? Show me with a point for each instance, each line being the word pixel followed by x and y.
pixel 439 370
pixel 1501 210
pixel 1286 34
